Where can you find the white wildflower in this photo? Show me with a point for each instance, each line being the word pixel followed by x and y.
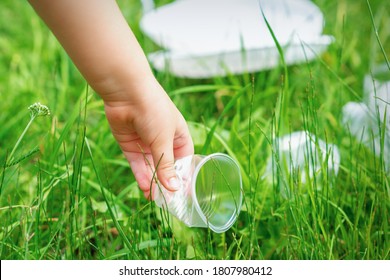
pixel 37 109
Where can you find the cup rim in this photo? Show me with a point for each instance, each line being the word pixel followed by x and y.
pixel 234 216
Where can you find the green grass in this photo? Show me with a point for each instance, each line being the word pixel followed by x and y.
pixel 66 191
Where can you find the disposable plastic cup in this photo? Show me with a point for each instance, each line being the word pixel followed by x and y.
pixel 377 93
pixel 210 194
pixel 377 98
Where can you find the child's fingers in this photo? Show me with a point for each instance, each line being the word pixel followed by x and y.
pixel 182 144
pixel 162 151
pixel 143 169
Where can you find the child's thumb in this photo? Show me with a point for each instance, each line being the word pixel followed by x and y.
pixel 164 164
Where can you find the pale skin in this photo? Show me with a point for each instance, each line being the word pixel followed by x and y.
pixel 148 127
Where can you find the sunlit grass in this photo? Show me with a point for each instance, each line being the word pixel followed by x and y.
pixel 66 191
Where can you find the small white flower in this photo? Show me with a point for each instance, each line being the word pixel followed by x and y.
pixel 37 109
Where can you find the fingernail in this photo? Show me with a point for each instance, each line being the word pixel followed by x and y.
pixel 174 184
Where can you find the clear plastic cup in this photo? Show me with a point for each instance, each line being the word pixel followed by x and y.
pixel 301 152
pixel 210 194
pixel 377 93
pixel 369 120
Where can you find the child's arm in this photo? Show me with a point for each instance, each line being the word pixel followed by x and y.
pixel 142 117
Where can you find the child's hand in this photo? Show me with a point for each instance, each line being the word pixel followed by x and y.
pixel 147 125
pixel 151 133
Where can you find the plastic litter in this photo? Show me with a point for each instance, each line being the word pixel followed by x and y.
pixel 210 194
pixel 369 120
pixel 206 38
pixel 302 153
